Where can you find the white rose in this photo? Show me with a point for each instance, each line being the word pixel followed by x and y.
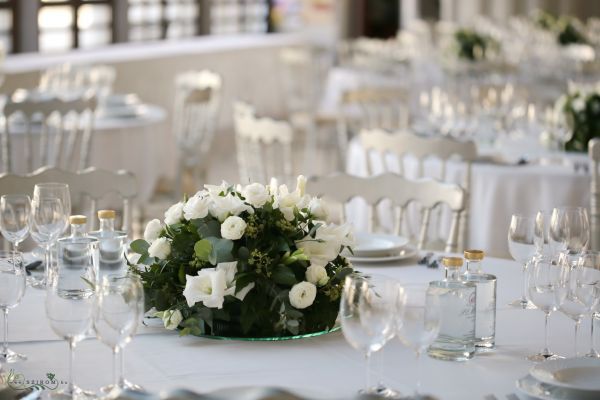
pixel 207 287
pixel 302 295
pixel 317 274
pixel 196 207
pixel 171 318
pixel 578 104
pixel 152 231
pixel 160 248
pixel 317 208
pixel 223 206
pixel 174 214
pixel 256 194
pixel 233 228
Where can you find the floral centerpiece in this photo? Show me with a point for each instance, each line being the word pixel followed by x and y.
pixel 568 30
pixel 473 46
pixel 581 108
pixel 253 261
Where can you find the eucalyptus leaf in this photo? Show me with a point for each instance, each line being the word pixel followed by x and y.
pixel 139 246
pixel 284 275
pixel 221 250
pixel 203 249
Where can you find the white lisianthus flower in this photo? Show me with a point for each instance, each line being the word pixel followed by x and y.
pixel 287 202
pixel 233 228
pixel 160 248
pixel 207 287
pixel 301 185
pixel 317 208
pixel 317 274
pixel 302 295
pixel 224 206
pixel 215 190
pixel 327 243
pixel 578 104
pixel 196 207
pixel 171 318
pixel 230 269
pixel 152 231
pixel 340 234
pixel 256 194
pixel 174 214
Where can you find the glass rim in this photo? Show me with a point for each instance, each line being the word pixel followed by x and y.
pixel 78 240
pixel 51 184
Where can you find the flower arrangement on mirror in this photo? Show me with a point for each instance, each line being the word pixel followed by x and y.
pixel 255 261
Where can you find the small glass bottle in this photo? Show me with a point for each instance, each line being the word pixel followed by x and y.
pixel 112 244
pixel 107 222
pixel 456 340
pixel 78 224
pixel 485 328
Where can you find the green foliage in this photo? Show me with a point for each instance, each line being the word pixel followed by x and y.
pixel 585 121
pixel 566 29
pixel 473 46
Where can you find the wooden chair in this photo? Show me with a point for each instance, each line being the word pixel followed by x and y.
pixel 401 192
pixel 197 103
pixel 402 144
pixel 594 153
pixel 58 123
pixel 264 146
pixel 87 187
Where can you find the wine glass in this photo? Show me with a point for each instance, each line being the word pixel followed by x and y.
pixel 367 314
pixel 70 297
pixel 14 218
pixel 12 289
pixel 545 281
pixel 586 285
pixel 47 220
pixel 570 230
pixel 521 245
pixel 418 321
pixel 117 317
pixel 53 190
pixel 541 234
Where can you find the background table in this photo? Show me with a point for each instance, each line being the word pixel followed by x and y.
pixel 325 366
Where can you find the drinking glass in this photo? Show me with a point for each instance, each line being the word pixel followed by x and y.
pixel 70 297
pixel 367 313
pixel 14 218
pixel 12 288
pixel 418 321
pixel 570 230
pixel 117 317
pixel 47 220
pixel 587 290
pixel 521 245
pixel 546 280
pixel 541 234
pixel 53 190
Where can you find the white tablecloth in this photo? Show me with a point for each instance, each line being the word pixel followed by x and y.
pixel 325 366
pixel 497 192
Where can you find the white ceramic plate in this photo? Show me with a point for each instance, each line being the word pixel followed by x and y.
pixel 573 373
pixel 375 245
pixel 539 390
pixel 123 112
pixel 406 253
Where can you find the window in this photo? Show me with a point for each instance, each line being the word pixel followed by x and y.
pixel 163 19
pixel 239 16
pixel 6 25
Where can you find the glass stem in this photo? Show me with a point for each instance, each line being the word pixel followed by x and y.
pixel 5 339
pixel 368 376
pixel 593 348
pixel 71 362
pixel 524 284
pixel 47 261
pixel 575 339
pixel 380 362
pixel 121 382
pixel 418 368
pixel 116 373
pixel 546 351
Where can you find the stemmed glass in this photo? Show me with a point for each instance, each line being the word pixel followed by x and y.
pixel 117 317
pixel 14 218
pixel 47 221
pixel 570 230
pixel 546 280
pixel 367 313
pixel 70 297
pixel 587 290
pixel 53 190
pixel 12 289
pixel 418 321
pixel 521 245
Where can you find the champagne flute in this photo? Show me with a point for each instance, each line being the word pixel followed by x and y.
pixel 546 280
pixel 521 245
pixel 418 321
pixel 47 220
pixel 14 218
pixel 70 298
pixel 367 314
pixel 117 317
pixel 12 289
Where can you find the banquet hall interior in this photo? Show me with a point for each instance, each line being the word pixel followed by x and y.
pixel 247 199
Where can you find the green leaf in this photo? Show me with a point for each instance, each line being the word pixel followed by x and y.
pixel 181 274
pixel 139 246
pixel 207 228
pixel 243 253
pixel 221 250
pixel 283 275
pixel 203 249
pixel 343 273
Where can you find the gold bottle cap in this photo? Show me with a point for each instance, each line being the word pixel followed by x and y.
pixel 452 262
pixel 77 219
pixel 107 214
pixel 474 254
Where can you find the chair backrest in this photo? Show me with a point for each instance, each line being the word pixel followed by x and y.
pixel 88 185
pixel 594 153
pixel 58 123
pixel 71 78
pixel 264 146
pixel 401 192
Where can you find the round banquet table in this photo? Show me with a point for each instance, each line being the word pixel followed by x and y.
pixel 324 367
pixel 497 191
